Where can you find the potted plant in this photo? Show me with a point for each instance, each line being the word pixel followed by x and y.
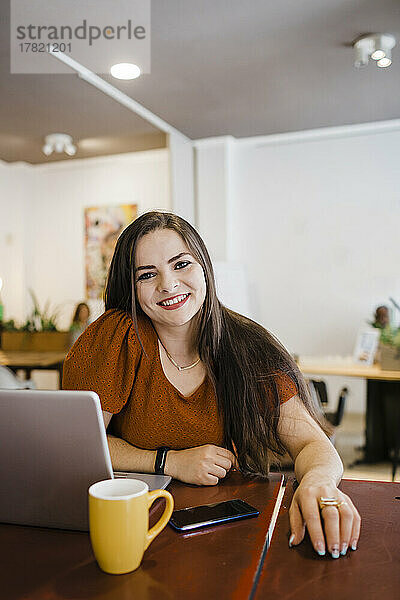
pixel 390 349
pixel 38 333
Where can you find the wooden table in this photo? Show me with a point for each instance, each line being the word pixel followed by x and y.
pixel 348 370
pixel 214 563
pixel 383 403
pixel 370 573
pixel 32 361
pixel 224 562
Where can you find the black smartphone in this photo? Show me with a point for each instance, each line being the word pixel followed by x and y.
pixel 195 517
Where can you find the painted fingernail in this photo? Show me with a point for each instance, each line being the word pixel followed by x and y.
pixel 344 549
pixel 291 540
pixel 354 545
pixel 319 546
pixel 335 552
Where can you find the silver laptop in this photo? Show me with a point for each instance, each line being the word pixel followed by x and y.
pixel 53 446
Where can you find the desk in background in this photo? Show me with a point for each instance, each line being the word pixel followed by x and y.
pixel 348 370
pixel 32 361
pixel 383 403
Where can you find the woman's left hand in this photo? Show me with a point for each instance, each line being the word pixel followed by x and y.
pixel 341 524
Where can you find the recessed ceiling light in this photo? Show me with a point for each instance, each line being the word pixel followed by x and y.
pixel 125 71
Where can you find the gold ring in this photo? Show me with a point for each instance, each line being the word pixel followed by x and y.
pixel 323 502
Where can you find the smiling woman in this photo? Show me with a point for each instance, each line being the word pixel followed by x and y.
pixel 193 389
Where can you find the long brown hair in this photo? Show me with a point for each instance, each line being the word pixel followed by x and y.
pixel 242 358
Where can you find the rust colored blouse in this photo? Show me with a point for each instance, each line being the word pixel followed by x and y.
pixel 148 410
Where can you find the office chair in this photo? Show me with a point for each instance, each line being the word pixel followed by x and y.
pixel 319 391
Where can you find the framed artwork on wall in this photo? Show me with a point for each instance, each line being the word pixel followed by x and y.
pixel 103 225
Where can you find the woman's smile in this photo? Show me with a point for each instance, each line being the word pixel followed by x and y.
pixel 174 302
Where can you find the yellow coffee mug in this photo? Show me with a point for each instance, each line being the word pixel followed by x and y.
pixel 119 522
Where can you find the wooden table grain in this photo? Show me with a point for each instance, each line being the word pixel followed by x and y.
pixel 370 573
pixel 218 563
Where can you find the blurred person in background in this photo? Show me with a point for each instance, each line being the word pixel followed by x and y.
pixel 80 321
pixel 381 317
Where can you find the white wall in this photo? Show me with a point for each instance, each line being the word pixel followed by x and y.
pixel 182 176
pixel 47 219
pixel 14 189
pixel 214 189
pixel 314 220
pixel 317 224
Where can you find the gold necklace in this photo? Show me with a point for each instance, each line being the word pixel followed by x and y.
pixel 176 364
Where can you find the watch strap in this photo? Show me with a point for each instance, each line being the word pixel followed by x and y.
pixel 161 457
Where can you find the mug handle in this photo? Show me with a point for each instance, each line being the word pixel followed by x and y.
pixel 165 517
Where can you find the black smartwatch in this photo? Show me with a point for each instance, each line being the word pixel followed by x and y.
pixel 161 457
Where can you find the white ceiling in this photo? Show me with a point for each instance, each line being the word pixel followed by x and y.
pixel 218 67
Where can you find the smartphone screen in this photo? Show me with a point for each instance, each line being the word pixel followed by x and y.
pixel 211 514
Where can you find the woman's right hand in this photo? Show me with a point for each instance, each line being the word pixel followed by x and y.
pixel 203 465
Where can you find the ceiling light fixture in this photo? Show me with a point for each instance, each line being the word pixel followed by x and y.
pixel 58 142
pixel 125 71
pixel 377 46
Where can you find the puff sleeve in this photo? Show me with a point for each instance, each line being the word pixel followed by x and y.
pixel 279 387
pixel 104 360
pixel 285 386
